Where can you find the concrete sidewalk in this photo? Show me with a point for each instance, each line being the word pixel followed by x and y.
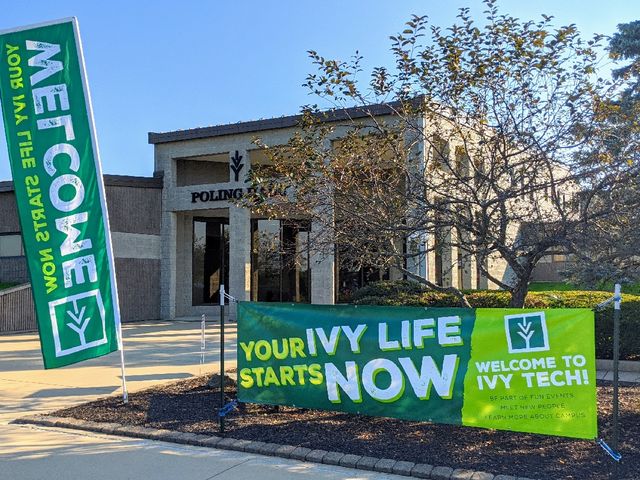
pixel 155 353
pixel 629 372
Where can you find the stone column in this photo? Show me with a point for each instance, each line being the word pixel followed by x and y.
pixel 416 244
pixel 168 267
pixel 471 268
pixel 447 261
pixel 456 259
pixel 468 262
pixel 417 263
pixel 239 233
pixel 168 234
pixel 431 259
pixel 322 273
pixel 239 253
pixel 182 275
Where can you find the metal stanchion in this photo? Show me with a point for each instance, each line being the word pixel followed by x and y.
pixel 203 344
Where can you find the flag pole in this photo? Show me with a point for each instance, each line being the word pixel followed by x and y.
pixel 125 395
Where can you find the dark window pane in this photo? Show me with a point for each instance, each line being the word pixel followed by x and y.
pixel 280 261
pixel 210 260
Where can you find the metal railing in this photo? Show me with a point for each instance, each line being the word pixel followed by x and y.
pixel 17 313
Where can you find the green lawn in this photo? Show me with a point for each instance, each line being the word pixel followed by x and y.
pixel 546 286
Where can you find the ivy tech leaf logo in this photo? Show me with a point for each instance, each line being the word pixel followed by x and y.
pixel 236 165
pixel 80 323
pixel 526 332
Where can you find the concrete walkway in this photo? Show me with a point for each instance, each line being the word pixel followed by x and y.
pixel 155 353
pixel 629 372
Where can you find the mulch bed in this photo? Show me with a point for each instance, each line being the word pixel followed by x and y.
pixel 191 406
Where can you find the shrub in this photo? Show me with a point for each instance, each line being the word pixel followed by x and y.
pixel 412 294
pixel 388 289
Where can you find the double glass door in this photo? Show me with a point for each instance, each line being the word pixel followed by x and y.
pixel 280 266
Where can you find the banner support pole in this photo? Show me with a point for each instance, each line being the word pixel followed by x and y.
pixel 616 381
pixel 222 295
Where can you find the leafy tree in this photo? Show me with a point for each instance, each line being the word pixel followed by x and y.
pixel 485 153
pixel 625 45
pixel 607 249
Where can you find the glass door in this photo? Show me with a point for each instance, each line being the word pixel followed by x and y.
pixel 280 267
pixel 210 256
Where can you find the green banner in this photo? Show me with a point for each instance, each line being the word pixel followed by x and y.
pixel 511 369
pixel 59 191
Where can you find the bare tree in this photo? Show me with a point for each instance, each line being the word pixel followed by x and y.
pixel 481 155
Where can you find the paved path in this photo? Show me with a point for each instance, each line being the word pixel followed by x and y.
pixel 155 353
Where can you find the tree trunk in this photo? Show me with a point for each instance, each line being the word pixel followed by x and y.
pixel 519 294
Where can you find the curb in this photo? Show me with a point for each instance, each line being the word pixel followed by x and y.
pixel 381 465
pixel 624 365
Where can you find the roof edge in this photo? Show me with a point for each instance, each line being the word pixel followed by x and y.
pixel 379 109
pixel 110 181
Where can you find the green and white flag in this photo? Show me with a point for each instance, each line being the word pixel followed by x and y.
pixel 59 191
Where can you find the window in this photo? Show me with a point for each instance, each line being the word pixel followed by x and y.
pixel 438 153
pixel 11 245
pixel 280 265
pixel 462 161
pixel 213 169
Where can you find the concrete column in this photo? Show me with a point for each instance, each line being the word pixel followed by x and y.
pixel 455 264
pixel 239 232
pixel 239 253
pixel 322 261
pixel 322 274
pixel 472 270
pixel 417 246
pixel 168 267
pixel 447 261
pixel 395 274
pixel 165 163
pixel 431 259
pixel 468 280
pixel 184 264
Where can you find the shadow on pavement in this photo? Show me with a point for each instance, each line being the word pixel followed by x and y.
pixel 72 392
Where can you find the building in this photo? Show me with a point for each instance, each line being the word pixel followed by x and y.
pixel 178 235
pixel 135 230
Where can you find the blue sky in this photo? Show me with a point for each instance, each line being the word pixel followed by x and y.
pixel 167 65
